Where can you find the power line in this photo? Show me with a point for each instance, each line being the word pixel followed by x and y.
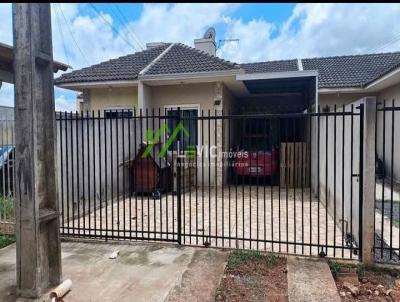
pixel 61 34
pixel 393 40
pixel 72 36
pixel 129 30
pixel 111 26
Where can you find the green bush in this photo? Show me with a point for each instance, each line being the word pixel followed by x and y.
pixel 6 207
pixel 6 240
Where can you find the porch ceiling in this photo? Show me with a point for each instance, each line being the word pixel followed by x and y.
pixel 285 85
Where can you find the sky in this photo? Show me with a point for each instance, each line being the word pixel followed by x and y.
pixel 86 34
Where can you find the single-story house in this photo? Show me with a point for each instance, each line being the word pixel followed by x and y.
pixel 170 75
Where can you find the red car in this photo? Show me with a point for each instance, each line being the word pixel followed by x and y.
pixel 256 156
pixel 252 160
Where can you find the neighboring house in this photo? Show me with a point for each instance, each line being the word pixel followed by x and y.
pixel 6 64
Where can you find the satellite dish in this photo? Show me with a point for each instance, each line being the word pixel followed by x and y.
pixel 210 33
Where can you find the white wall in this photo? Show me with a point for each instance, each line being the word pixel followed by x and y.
pixel 344 194
pixel 389 94
pixel 90 160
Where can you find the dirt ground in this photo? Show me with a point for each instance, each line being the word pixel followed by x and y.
pixel 367 285
pixel 252 276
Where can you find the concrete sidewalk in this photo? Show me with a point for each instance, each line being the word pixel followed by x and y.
pixel 310 280
pixel 141 272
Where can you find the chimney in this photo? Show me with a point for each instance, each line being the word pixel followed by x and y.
pixel 154 44
pixel 207 43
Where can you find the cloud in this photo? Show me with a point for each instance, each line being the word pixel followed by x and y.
pixel 179 22
pixel 6 23
pixel 254 37
pixel 318 30
pixel 311 30
pixel 7 95
pixel 63 103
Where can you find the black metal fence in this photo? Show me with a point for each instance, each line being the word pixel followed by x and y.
pixel 7 213
pixel 387 206
pixel 280 182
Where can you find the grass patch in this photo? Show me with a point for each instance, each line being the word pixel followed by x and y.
pixel 337 267
pixel 6 207
pixel 6 240
pixel 239 257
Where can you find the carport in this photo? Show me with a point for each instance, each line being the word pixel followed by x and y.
pixel 278 97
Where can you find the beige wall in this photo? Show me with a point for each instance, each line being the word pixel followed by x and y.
pixel 102 98
pixel 209 131
pixel 196 94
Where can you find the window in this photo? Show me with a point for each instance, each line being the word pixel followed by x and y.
pixel 118 113
pixel 189 118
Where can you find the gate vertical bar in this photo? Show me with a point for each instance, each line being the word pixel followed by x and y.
pixel 178 185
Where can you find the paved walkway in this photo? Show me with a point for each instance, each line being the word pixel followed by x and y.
pixel 310 280
pixel 141 272
pixel 252 217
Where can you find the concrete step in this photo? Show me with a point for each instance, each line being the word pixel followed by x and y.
pixel 202 277
pixel 310 280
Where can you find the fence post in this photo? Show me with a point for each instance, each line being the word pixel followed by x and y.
pixel 368 180
pixel 37 231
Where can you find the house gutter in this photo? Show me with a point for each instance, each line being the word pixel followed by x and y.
pixel 84 85
pixel 191 75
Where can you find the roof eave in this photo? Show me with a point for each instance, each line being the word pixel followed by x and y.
pixel 191 75
pixel 276 75
pixel 341 90
pixel 79 86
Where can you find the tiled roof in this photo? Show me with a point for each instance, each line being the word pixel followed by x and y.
pixel 270 66
pixel 122 68
pixel 336 72
pixel 352 71
pixel 183 59
pixel 333 72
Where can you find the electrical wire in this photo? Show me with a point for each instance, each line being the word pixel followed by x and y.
pixel 393 40
pixel 61 34
pixel 136 38
pixel 72 36
pixel 111 26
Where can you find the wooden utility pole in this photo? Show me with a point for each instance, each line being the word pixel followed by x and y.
pixel 38 238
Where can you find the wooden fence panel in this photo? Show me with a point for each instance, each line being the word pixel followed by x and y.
pixel 294 165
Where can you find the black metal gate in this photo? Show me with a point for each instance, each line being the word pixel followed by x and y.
pixel 387 211
pixel 286 183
